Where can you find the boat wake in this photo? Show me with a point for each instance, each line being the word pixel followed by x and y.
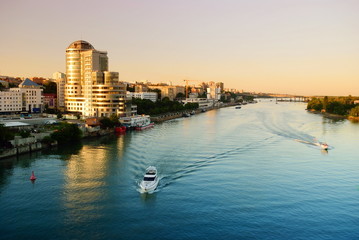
pixel 200 162
pixel 280 127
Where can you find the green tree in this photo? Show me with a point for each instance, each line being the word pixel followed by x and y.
pixel 50 87
pixel 24 133
pixel 5 135
pixel 130 89
pixel 114 119
pixel 325 103
pixel 316 104
pixel 180 95
pixel 106 123
pixel 354 112
pixel 66 132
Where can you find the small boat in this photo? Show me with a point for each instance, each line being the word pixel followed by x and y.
pixel 150 180
pixel 238 107
pixel 324 146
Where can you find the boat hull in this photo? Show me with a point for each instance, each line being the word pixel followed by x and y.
pixel 149 187
pixel 145 127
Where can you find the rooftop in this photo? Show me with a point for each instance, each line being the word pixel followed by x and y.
pixel 80 45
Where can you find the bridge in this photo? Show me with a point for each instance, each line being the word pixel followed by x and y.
pixel 290 98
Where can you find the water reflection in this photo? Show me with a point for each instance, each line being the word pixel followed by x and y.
pixel 86 179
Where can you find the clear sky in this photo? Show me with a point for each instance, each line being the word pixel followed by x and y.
pixel 307 47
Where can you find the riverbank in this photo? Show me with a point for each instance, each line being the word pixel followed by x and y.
pixel 28 145
pixel 169 116
pixel 328 115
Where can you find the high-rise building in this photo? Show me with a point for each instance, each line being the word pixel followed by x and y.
pixel 213 91
pixel 60 79
pixel 90 88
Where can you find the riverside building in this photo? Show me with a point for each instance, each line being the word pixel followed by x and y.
pixel 90 88
pixel 27 97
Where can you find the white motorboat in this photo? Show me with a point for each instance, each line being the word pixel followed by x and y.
pixel 150 180
pixel 324 146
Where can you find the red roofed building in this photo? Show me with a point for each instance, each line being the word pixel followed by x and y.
pixel 50 100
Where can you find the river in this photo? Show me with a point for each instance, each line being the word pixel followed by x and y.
pixel 230 173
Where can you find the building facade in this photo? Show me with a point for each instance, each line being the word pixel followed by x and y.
pixel 169 91
pixel 27 97
pixel 213 91
pixel 90 88
pixel 10 102
pixel 143 95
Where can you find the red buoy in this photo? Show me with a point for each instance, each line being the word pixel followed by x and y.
pixel 32 178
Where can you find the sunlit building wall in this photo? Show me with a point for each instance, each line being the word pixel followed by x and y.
pixel 32 99
pixel 90 88
pixel 10 102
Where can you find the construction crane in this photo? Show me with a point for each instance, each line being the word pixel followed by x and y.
pixel 186 80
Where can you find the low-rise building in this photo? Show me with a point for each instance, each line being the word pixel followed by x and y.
pixel 50 100
pixel 143 95
pixel 169 91
pixel 203 103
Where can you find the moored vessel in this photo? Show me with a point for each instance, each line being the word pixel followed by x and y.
pixel 138 122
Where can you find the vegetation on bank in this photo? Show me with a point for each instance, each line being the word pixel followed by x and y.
pixel 343 106
pixel 5 136
pixel 145 106
pixel 66 133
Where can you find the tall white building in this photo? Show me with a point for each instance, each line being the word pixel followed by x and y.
pixel 90 88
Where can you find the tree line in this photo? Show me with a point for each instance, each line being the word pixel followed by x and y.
pixel 148 107
pixel 336 105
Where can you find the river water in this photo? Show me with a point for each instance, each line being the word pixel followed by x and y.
pixel 245 173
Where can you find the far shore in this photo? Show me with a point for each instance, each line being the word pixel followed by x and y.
pixel 334 116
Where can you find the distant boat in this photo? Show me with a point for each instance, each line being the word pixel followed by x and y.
pixel 150 180
pixel 322 145
pixel 138 122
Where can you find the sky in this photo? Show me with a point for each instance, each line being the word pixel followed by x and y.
pixel 302 47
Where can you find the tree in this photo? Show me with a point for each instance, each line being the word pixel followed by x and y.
pixel 114 119
pixel 5 135
pixel 66 132
pixel 180 95
pixel 316 104
pixel 325 103
pixel 50 87
pixel 354 112
pixel 130 89
pixel 106 123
